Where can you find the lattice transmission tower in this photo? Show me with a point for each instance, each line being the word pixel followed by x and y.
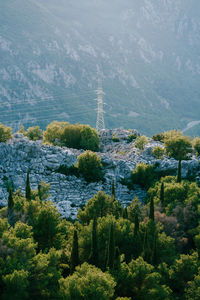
pixel 100 112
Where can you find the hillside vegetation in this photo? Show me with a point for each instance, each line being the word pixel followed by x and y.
pixel 142 251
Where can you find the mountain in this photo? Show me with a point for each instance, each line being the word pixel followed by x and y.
pixel 146 53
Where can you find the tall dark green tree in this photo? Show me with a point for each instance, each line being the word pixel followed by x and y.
pixel 162 194
pixel 151 214
pixel 136 228
pixel 28 188
pixel 94 245
pixel 117 263
pixel 113 190
pixel 74 259
pixel 111 248
pixel 10 200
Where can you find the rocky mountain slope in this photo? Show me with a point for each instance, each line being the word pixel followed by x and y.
pixel 67 191
pixel 147 54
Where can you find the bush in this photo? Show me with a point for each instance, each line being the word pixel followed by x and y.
pixel 159 137
pixel 54 132
pixel 196 145
pixel 73 136
pixel 143 175
pixel 5 133
pixel 140 142
pixel 33 133
pixel 158 152
pixel 131 137
pixel 89 165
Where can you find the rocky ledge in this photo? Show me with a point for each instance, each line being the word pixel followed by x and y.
pixel 118 155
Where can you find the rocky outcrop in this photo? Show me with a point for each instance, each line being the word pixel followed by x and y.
pixel 69 192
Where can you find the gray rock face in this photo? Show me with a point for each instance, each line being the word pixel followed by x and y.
pixel 70 192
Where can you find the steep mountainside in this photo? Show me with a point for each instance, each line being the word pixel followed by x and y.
pixel 146 52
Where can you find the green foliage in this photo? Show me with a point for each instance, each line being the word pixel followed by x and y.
pixel 143 175
pixel 33 133
pixel 90 166
pixel 74 259
pixel 140 142
pixel 72 136
pixel 100 205
pixel 16 285
pixel 196 145
pixel 53 133
pixel 159 137
pixel 192 290
pixel 131 137
pixel 5 133
pixel 115 138
pixel 111 248
pixel 93 259
pixel 87 282
pixel 28 188
pixel 158 152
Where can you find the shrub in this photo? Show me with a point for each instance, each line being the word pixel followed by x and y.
pixel 143 175
pixel 140 142
pixel 5 133
pixel 89 165
pixel 34 133
pixel 71 136
pixel 115 138
pixel 158 152
pixel 159 137
pixel 131 137
pixel 89 138
pixel 196 145
pixel 54 132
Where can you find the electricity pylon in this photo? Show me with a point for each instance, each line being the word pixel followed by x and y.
pixel 100 118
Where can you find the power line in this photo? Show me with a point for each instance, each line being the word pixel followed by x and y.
pixel 100 117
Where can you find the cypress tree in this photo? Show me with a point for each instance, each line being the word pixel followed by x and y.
pixel 162 195
pixel 39 192
pixel 111 248
pixel 74 259
pixel 117 264
pixel 10 200
pixel 136 228
pixel 113 190
pixel 151 214
pixel 125 213
pixel 28 188
pixel 179 171
pixel 94 247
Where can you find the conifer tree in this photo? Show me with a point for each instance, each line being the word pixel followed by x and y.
pixel 74 259
pixel 136 228
pixel 10 200
pixel 113 190
pixel 28 188
pixel 125 213
pixel 151 214
pixel 94 247
pixel 117 264
pixel 162 194
pixel 111 248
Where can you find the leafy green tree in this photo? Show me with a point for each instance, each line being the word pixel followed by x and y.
pixel 183 270
pixel 192 290
pixel 16 285
pixel 46 227
pixel 90 166
pixel 5 133
pixel 89 138
pixel 28 188
pixel 100 205
pixel 178 147
pixel 43 190
pixel 196 145
pixel 144 175
pixel 45 275
pixel 34 133
pixel 87 282
pixel 71 136
pixel 53 133
pixel 138 280
pixel 74 259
